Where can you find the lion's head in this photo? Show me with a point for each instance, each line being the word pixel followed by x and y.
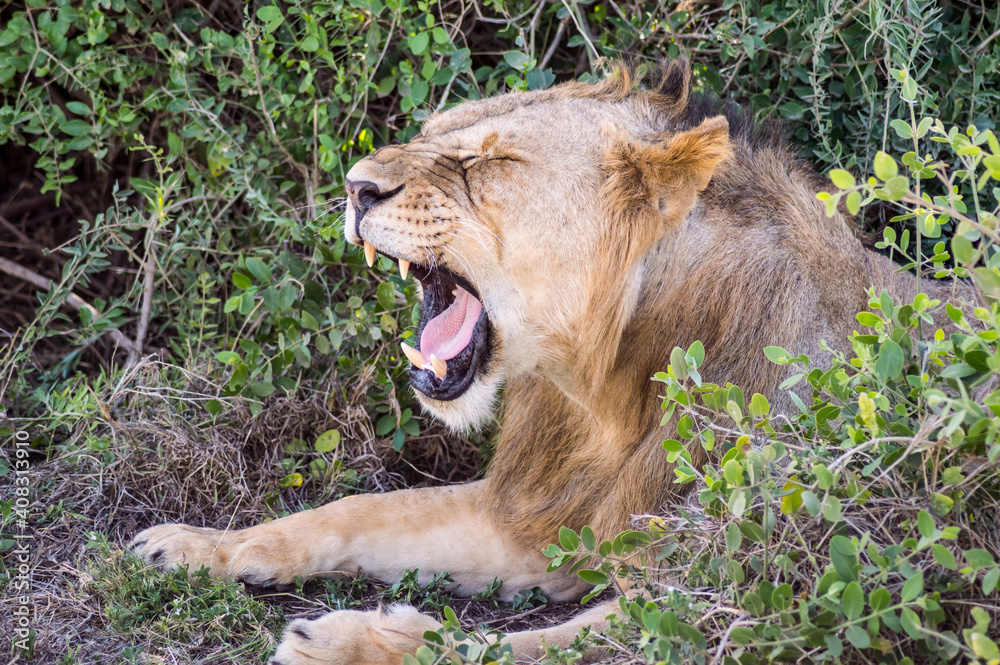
pixel 524 218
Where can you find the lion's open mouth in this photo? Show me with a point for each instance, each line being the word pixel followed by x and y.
pixel 454 333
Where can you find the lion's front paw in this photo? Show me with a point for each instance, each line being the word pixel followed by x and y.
pixel 170 546
pixel 350 637
pixel 227 554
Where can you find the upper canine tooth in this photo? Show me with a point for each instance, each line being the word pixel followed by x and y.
pixel 369 253
pixel 440 366
pixel 413 355
pixel 404 268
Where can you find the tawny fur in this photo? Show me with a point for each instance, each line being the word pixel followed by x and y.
pixel 602 226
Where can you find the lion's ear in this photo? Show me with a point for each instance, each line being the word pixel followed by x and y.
pixel 690 157
pixel 668 173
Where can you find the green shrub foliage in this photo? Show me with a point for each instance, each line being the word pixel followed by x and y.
pixel 215 139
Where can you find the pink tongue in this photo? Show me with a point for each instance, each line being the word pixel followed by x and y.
pixel 450 331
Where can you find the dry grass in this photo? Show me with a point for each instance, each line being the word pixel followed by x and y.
pixel 164 460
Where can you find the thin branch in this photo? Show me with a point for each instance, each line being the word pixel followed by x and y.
pixel 508 21
pixel 982 47
pixel 555 43
pixel 584 29
pixel 149 270
pixel 73 300
pixel 725 639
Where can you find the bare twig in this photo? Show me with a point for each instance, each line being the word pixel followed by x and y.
pixel 982 47
pixel 584 29
pixel 725 639
pixel 508 21
pixel 555 43
pixel 73 300
pixel 149 270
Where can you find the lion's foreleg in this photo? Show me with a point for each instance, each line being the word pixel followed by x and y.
pixel 383 535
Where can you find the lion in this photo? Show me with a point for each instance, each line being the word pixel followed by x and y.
pixel 565 241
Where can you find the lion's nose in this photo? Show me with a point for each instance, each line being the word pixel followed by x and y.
pixel 364 194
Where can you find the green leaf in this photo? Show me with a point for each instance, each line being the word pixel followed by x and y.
pixel 854 203
pixel 858 637
pixel 979 558
pixel 684 427
pixel 241 281
pixel 941 503
pixel 753 604
pixel 777 355
pixel 944 557
pixel 516 59
pixel 913 587
pixel 842 179
pixel 733 537
pixel 419 42
pixel 309 321
pixel 227 357
pixel 879 599
pixel 923 126
pixel 885 166
pixel 271 16
pixel 988 280
pixel 962 249
pixel 843 558
pixel 897 186
pixel 742 635
pixel 832 509
pixel 759 406
pixel 328 441
pixel 791 110
pixel 733 472
pixel 594 577
pixel 984 648
pixel 263 388
pixel 697 351
pixel 925 524
pixel 588 538
pixel 910 622
pixel 902 129
pixel 386 295
pixel 568 539
pixel 386 424
pixel 991 581
pixel 259 269
pixel 418 91
pixel 78 108
pixel 752 531
pixel 853 600
pixel 782 596
pixel 75 127
pixel 889 363
pixel 678 363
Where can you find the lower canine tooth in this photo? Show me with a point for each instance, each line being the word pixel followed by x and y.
pixel 369 253
pixel 440 367
pixel 404 268
pixel 413 355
